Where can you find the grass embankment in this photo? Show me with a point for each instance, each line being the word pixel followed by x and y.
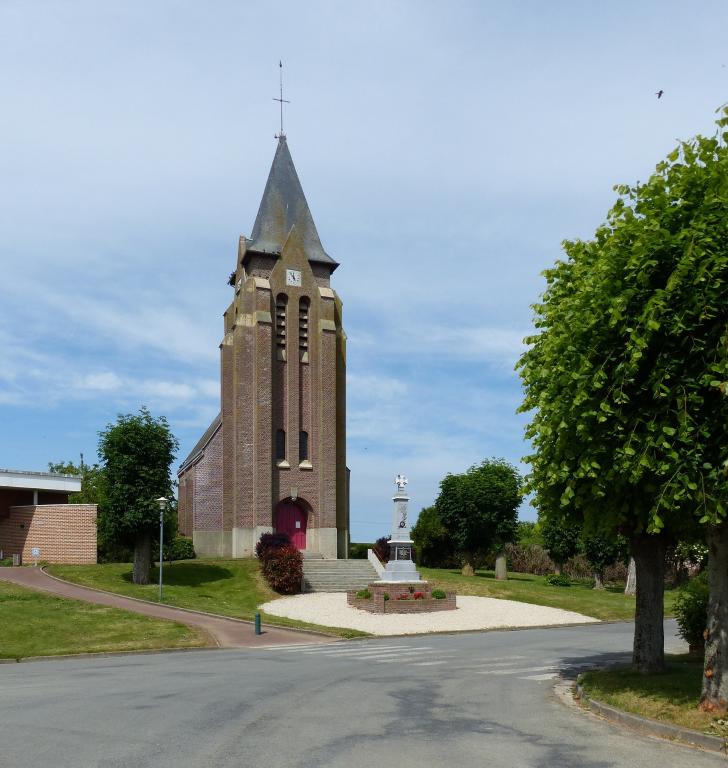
pixel 227 587
pixel 36 624
pixel 610 604
pixel 671 697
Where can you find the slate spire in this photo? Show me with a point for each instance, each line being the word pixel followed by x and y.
pixel 283 207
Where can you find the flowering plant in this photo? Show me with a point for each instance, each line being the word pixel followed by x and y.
pixel 418 596
pixel 403 596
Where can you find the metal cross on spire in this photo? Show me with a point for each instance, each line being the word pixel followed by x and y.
pixel 281 99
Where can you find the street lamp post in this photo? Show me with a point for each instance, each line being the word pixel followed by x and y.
pixel 162 507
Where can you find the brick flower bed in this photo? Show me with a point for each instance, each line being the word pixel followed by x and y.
pixel 404 597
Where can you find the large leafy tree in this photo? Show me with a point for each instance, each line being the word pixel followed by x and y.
pixel 625 382
pixel 479 509
pixel 137 454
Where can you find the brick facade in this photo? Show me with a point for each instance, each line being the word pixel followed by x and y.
pixel 64 533
pixel 282 368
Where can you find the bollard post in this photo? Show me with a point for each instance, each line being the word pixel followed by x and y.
pixel 258 630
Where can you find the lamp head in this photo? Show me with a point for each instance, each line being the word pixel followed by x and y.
pixel 162 503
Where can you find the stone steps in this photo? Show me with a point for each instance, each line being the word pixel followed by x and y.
pixel 337 575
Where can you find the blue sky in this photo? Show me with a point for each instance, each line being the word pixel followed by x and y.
pixel 446 150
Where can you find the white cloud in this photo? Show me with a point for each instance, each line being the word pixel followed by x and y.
pixel 105 381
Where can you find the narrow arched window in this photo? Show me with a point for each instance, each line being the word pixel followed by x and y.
pixel 303 308
pixel 303 446
pixel 281 314
pixel 280 445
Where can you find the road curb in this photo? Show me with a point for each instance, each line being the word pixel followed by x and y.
pixel 651 727
pixel 112 654
pixel 318 633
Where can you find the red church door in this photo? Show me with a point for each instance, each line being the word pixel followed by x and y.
pixel 291 519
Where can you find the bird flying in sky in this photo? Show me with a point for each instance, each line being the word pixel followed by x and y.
pixel 659 93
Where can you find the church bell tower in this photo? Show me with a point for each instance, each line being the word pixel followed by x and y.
pixel 278 450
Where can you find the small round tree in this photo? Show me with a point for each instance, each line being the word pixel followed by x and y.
pixel 561 539
pixel 601 551
pixel 137 454
pixel 479 508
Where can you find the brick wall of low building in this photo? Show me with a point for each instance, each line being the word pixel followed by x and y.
pixel 64 533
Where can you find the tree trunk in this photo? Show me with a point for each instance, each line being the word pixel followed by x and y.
pixel 648 653
pixel 142 559
pixel 501 566
pixel 630 588
pixel 557 569
pixel 598 580
pixel 714 696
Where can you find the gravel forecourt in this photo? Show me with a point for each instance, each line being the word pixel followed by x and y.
pixel 330 609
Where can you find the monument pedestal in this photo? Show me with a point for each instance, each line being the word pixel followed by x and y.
pixel 401 597
pixel 401 566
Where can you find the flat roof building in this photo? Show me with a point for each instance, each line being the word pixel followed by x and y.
pixel 37 522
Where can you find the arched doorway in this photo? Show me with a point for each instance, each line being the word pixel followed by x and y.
pixel 290 518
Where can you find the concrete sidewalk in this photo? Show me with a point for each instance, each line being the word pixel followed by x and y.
pixel 225 632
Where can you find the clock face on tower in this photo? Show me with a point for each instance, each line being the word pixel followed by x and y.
pixel 293 277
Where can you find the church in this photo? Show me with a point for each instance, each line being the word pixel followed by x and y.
pixel 274 459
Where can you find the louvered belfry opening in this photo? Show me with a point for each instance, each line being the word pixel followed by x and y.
pixel 303 312
pixel 281 313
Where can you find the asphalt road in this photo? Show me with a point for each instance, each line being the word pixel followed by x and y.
pixel 480 699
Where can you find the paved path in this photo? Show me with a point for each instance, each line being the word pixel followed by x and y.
pixel 467 701
pixel 226 633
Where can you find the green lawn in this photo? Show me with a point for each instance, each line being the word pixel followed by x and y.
pixel 37 624
pixel 227 587
pixel 608 605
pixel 671 697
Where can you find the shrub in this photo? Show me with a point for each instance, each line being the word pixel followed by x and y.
pixel 616 572
pixel 386 596
pixel 381 548
pixel 180 548
pixel 438 594
pixel 558 580
pixel 691 610
pixel 271 541
pixel 404 596
pixel 364 594
pixel 577 567
pixel 283 569
pixel 528 558
pixel 6 561
pixel 358 551
pixel 418 596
